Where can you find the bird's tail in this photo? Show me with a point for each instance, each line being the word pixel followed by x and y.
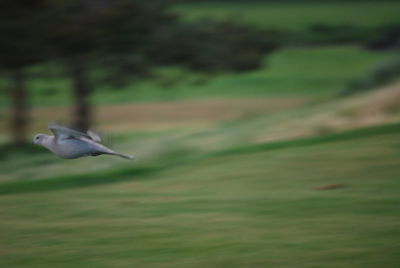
pixel 130 157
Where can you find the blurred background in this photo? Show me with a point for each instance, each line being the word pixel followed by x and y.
pixel 266 133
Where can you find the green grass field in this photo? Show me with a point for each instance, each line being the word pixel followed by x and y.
pixel 268 168
pixel 321 71
pixel 296 16
pixel 252 208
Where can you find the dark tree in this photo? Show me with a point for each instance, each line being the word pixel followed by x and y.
pixel 124 40
pixel 20 47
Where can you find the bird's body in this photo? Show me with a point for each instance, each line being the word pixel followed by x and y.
pixel 69 144
pixel 73 148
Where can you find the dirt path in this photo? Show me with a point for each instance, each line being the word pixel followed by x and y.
pixel 164 115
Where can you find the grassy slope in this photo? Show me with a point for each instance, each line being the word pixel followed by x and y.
pixel 296 15
pixel 293 72
pixel 246 206
pixel 257 208
pixel 288 72
pixel 138 171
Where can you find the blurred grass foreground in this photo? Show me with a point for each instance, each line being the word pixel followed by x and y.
pixel 267 134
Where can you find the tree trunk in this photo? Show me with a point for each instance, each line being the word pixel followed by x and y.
pixel 81 91
pixel 82 86
pixel 19 120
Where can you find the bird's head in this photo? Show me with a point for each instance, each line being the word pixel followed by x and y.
pixel 39 138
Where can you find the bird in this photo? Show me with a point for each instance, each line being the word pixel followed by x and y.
pixel 70 144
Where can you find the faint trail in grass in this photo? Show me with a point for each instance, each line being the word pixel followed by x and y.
pixel 144 172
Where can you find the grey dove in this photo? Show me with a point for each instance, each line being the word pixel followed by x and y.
pixel 68 143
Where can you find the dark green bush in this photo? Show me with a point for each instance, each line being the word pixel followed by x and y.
pixel 384 38
pixel 211 46
pixel 324 34
pixel 381 75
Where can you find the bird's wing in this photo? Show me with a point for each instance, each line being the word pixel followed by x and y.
pixel 62 133
pixel 97 147
pixel 94 136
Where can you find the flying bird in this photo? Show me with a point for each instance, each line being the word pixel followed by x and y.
pixel 69 144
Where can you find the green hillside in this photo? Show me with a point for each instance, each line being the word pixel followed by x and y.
pixel 315 71
pixel 267 168
pixel 295 15
pixel 328 204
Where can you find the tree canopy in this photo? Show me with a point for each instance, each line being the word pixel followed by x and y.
pixel 124 39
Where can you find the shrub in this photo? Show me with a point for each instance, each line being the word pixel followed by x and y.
pixel 211 46
pixel 384 38
pixel 381 75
